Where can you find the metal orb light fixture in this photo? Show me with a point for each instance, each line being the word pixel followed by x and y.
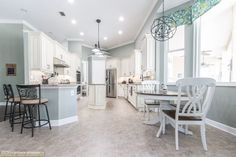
pixel 164 27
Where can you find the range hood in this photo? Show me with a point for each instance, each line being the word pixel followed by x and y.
pixel 60 63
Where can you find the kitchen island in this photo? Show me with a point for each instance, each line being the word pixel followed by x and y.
pixel 62 103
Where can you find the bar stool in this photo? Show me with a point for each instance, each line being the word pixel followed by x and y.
pixel 30 97
pixel 15 101
pixel 6 98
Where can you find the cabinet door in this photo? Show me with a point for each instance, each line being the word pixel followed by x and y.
pixel 60 52
pixel 138 63
pixel 34 51
pixel 47 54
pixel 125 67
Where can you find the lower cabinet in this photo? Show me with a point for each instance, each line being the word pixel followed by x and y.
pixel 132 94
pixel 122 90
pixel 136 100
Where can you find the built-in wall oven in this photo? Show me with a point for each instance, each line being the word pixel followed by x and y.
pixel 78 81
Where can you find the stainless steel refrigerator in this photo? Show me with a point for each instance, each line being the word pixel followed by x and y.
pixel 111 79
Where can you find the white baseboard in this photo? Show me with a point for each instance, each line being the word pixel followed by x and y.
pixel 64 121
pixel 221 126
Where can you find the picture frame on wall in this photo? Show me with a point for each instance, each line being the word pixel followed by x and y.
pixel 11 69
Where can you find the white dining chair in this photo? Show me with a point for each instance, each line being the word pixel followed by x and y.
pixel 200 92
pixel 149 86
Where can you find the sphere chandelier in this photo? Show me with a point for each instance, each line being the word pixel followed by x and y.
pixel 164 27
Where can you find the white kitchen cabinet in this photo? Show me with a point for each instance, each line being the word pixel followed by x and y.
pixel 135 63
pixel 148 53
pixel 132 65
pixel 122 90
pixel 112 63
pixel 40 50
pixel 132 96
pixel 125 69
pixel 60 51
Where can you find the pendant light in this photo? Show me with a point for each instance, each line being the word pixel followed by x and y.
pixel 97 49
pixel 164 27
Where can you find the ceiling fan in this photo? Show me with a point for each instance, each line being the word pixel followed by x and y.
pixel 97 51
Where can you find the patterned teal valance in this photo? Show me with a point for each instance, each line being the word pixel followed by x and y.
pixel 187 15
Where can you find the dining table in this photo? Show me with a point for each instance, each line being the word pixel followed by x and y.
pixel 167 100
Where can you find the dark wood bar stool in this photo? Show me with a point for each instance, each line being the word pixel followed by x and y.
pixel 30 97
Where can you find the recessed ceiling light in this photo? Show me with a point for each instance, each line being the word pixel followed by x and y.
pixel 73 21
pixel 70 1
pixel 121 18
pixel 105 38
pixel 120 32
pixel 81 33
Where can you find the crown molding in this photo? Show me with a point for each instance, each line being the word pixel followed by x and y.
pixel 18 21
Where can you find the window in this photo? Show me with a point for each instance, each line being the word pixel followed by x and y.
pixel 218 43
pixel 176 56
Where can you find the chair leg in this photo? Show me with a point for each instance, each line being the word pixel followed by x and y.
pixel 160 129
pixel 10 114
pixel 144 111
pixel 31 113
pixel 23 120
pixel 13 117
pixel 176 137
pixel 148 113
pixel 48 116
pixel 39 115
pixel 203 136
pixel 164 125
pixel 19 110
pixel 5 115
pixel 186 129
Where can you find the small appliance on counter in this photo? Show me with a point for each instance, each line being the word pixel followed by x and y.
pixel 123 82
pixel 45 79
pixel 130 81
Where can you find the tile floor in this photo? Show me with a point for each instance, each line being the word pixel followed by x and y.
pixel 115 132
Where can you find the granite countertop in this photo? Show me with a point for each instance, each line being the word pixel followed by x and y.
pixel 59 85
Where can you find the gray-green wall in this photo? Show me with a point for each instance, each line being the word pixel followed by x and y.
pixel 123 51
pixel 86 52
pixel 11 52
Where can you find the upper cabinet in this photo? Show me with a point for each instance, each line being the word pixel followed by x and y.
pixel 112 63
pixel 124 67
pixel 148 53
pixel 137 63
pixel 40 49
pixel 60 51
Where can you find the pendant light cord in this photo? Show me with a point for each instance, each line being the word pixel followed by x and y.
pixel 98 36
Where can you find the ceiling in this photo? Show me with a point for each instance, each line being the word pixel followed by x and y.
pixel 43 14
